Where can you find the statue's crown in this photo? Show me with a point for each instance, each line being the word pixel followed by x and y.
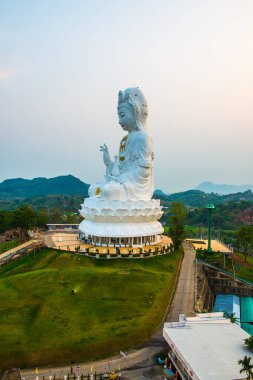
pixel 133 94
pixel 134 97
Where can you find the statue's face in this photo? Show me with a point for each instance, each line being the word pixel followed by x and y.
pixel 126 118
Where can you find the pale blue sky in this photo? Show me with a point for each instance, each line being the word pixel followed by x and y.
pixel 63 62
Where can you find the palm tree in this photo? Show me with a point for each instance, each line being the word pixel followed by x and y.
pixel 247 367
pixel 249 343
pixel 232 317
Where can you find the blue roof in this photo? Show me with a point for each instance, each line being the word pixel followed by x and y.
pixel 229 303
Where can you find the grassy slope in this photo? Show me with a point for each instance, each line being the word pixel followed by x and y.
pixel 8 245
pixel 117 304
pixel 244 270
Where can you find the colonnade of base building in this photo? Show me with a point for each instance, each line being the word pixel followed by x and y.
pixel 121 241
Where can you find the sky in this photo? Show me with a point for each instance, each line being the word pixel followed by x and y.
pixel 63 62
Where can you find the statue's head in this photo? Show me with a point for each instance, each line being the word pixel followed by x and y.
pixel 132 109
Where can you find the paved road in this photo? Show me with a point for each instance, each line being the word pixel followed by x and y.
pixel 141 363
pixel 183 302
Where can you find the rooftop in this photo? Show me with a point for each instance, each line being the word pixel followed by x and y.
pixel 203 243
pixel 209 346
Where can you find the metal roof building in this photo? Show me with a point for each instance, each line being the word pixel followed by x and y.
pixel 228 303
pixel 207 347
pixel 246 309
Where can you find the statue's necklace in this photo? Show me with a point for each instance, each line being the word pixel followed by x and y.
pixel 122 147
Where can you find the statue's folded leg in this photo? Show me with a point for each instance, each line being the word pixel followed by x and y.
pixel 114 191
pixel 95 190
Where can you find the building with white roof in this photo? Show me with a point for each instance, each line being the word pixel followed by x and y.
pixel 206 347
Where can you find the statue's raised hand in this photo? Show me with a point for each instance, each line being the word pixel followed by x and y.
pixel 106 155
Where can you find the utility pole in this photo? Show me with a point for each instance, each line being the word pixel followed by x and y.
pixel 209 208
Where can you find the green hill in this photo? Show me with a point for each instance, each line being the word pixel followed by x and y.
pixel 23 188
pixel 117 304
pixel 197 198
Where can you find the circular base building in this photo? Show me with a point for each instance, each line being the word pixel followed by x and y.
pixel 121 223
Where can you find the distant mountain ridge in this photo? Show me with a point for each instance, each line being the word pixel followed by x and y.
pixel 23 188
pixel 223 189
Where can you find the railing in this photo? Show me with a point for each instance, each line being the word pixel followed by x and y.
pixel 225 272
pixel 175 325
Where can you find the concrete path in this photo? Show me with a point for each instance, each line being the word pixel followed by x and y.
pixel 141 363
pixel 183 301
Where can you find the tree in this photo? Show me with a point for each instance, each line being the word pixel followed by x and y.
pixel 6 220
pixel 56 216
pixel 247 367
pixel 176 221
pixel 24 218
pixel 244 240
pixel 232 317
pixel 249 343
pixel 41 218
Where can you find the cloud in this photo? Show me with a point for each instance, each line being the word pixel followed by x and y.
pixel 8 75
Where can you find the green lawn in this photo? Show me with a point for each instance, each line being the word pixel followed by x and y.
pixel 117 304
pixel 8 245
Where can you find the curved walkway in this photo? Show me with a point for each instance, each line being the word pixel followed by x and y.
pixel 141 363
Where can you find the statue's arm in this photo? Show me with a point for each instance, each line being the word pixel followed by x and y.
pixel 145 154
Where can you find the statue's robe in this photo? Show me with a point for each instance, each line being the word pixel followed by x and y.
pixel 130 177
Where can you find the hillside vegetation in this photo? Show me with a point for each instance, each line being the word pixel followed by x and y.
pixel 226 216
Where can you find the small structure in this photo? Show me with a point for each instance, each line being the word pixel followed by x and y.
pixel 210 208
pixel 206 347
pixel 10 235
pixel 229 304
pixel 216 245
pixel 62 227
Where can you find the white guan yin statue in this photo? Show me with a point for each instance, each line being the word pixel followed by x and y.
pixel 120 210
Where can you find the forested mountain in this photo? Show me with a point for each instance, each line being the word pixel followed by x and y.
pixel 24 188
pixel 231 211
pixel 63 196
pixel 197 198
